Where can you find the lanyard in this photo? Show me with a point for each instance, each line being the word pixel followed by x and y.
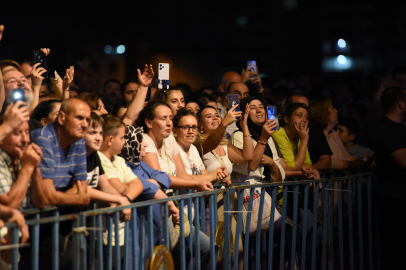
pixel 167 158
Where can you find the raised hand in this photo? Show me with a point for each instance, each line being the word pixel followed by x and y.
pixel 16 114
pixel 244 116
pixel 231 116
pixel 303 130
pixel 31 156
pixel 147 75
pixel 68 78
pixel 268 128
pixel 245 75
pixel 1 31
pixel 46 51
pixel 36 75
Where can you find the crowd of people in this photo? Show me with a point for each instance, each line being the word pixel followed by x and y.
pixel 65 146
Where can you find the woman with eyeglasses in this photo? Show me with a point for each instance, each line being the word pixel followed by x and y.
pixel 185 131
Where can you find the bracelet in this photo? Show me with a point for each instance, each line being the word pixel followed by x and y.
pixel 249 135
pixel 261 143
pixel 128 198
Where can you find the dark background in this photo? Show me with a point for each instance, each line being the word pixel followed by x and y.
pixel 203 39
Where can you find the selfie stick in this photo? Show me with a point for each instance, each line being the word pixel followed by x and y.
pixel 163 85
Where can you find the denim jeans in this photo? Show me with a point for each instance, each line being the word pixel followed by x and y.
pixel 204 249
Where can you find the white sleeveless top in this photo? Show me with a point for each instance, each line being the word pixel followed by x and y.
pixel 212 163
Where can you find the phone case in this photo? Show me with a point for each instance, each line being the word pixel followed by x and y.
pixel 163 71
pixel 252 65
pixel 271 113
pixel 232 101
pixel 39 57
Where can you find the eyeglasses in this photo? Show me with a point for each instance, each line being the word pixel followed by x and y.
pixel 187 128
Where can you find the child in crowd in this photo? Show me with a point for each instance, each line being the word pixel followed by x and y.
pixel 347 131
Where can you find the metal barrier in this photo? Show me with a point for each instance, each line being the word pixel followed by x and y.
pixel 322 227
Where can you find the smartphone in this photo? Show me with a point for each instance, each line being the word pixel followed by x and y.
pixel 253 66
pixel 46 62
pixel 163 71
pixel 232 101
pixel 271 113
pixel 17 95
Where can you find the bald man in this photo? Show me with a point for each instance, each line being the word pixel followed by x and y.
pixel 64 163
pixel 228 77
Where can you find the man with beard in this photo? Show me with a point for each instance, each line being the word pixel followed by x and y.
pixel 14 79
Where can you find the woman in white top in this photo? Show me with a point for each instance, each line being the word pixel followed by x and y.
pixel 266 164
pixel 185 131
pixel 209 122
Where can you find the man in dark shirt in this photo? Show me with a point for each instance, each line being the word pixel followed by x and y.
pixel 391 173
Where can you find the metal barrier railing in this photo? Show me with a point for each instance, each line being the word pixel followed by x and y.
pixel 311 235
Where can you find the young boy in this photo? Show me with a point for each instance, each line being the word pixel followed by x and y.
pixel 119 175
pixel 347 131
pixel 99 188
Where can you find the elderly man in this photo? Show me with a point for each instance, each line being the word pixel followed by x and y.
pixel 64 162
pixel 20 177
pixel 63 169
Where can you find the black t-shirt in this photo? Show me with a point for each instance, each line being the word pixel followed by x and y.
pixel 391 136
pixel 94 170
pixel 318 145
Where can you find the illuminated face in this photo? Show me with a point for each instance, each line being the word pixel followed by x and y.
pixel 176 101
pixel 17 141
pixel 161 125
pixel 94 138
pixel 186 132
pixel 257 112
pixel 299 117
pixel 210 120
pixel 100 107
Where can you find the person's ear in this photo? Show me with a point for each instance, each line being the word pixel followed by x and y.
pixel 109 140
pixel 221 87
pixel 44 121
pixel 61 118
pixel 148 122
pixel 285 118
pixel 174 131
pixel 351 137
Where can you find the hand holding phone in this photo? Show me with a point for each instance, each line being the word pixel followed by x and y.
pixel 232 101
pixel 17 95
pixel 271 113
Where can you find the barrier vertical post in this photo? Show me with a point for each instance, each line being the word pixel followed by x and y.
pixel 181 238
pixel 190 218
pixel 330 258
pixel 197 250
pixel 240 193
pixel 165 225
pixel 92 240
pixel 360 236
pixel 35 244
pixel 14 250
pixel 142 239
pixel 117 240
pixel 212 231
pixel 228 198
pixel 247 229
pixel 202 215
pixel 151 231
pixel 135 243
pixel 126 237
pixel 305 206
pixel 294 227
pixel 324 196
pixel 75 245
pixel 315 210
pixel 340 224
pixel 55 243
pixel 271 226
pixel 350 230
pixel 99 249
pixel 369 194
pixel 82 242
pixel 284 209
pixel 259 227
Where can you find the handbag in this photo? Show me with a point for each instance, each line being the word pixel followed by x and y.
pixel 186 223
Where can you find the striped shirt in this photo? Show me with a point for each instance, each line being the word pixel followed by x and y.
pixel 63 168
pixel 8 178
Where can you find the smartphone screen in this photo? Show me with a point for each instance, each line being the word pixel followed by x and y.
pixel 253 66
pixel 18 95
pixel 271 113
pixel 232 101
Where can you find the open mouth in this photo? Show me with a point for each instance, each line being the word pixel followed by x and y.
pixel 215 123
pixel 259 116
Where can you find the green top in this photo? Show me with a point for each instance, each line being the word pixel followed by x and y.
pixel 289 148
